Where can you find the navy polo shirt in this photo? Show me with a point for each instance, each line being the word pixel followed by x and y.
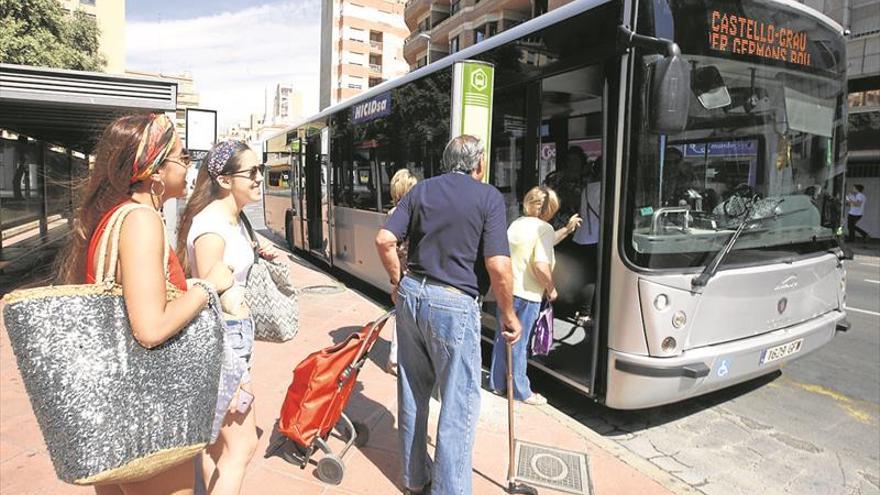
pixel 452 222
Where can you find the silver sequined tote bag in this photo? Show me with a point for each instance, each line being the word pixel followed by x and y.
pixel 110 410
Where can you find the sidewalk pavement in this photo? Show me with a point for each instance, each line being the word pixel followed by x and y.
pixel 25 467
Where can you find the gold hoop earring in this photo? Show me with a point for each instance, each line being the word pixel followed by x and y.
pixel 154 194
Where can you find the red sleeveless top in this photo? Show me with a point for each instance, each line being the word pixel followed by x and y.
pixel 175 271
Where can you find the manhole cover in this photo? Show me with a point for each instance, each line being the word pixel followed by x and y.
pixel 323 289
pixel 552 468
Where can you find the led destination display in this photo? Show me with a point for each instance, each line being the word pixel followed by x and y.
pixel 747 36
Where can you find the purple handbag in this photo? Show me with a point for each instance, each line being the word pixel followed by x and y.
pixel 542 341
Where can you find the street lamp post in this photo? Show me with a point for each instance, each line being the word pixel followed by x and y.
pixel 427 37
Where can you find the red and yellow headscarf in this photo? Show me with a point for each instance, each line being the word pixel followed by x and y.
pixel 156 143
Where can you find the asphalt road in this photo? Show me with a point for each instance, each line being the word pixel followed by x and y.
pixel 810 429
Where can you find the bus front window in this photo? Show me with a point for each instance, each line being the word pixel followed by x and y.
pixel 764 137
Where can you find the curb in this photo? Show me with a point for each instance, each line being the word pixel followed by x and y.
pixel 644 466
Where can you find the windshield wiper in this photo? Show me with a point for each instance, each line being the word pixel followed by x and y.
pixel 712 268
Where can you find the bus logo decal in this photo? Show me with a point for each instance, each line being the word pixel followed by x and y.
pixel 789 283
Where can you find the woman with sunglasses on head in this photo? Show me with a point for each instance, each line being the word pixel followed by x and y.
pixel 531 239
pixel 139 159
pixel 212 235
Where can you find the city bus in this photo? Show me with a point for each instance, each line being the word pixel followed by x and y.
pixel 711 134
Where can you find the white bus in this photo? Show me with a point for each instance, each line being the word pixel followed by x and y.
pixel 711 137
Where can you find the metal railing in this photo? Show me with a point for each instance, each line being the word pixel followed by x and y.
pixel 376 45
pixel 376 68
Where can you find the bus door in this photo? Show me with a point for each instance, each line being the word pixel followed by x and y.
pixel 570 161
pixel 549 132
pixel 316 199
pixel 297 188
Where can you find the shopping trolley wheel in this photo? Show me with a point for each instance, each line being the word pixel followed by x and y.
pixel 362 433
pixel 331 469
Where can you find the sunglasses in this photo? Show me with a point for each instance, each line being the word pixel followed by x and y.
pixel 251 173
pixel 184 161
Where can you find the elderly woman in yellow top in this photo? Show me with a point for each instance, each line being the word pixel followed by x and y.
pixel 402 181
pixel 531 240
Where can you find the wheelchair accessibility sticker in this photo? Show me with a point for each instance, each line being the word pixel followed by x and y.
pixel 723 368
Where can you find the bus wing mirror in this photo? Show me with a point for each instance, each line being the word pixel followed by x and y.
pixel 670 94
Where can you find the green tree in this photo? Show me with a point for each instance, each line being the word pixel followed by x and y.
pixel 39 32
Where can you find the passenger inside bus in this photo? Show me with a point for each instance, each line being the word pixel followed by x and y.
pixel 579 188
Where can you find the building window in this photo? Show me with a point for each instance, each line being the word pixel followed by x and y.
pixel 453 45
pixel 375 81
pixel 454 7
pixel 422 62
pixel 485 31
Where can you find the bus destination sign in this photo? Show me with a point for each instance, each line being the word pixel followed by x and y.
pixel 734 33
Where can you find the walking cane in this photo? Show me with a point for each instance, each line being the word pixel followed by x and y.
pixel 512 485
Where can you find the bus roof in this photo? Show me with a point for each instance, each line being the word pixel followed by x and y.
pixel 554 16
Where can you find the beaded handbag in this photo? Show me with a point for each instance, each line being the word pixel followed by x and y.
pixel 111 410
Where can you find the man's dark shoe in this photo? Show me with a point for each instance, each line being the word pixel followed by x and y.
pixel 425 490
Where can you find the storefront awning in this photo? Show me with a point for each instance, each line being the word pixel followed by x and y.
pixel 71 108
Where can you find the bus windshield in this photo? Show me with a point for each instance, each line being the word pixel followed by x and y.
pixel 764 137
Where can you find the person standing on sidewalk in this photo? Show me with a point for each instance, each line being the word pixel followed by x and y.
pixel 402 181
pixel 139 159
pixel 456 227
pixel 531 240
pixel 856 202
pixel 211 235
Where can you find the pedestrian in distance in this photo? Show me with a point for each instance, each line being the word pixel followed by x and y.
pixel 456 227
pixel 139 159
pixel 213 237
pixel 856 200
pixel 532 240
pixel 402 181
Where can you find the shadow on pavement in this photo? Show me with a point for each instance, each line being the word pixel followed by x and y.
pixel 612 422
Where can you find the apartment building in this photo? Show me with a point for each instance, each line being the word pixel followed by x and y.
pixel 110 17
pixel 361 46
pixel 284 105
pixel 440 27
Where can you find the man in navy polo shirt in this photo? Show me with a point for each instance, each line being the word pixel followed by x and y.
pixel 457 231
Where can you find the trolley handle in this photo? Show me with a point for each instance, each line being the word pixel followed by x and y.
pixel 361 358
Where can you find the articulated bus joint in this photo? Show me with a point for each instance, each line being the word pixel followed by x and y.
pixel 691 370
pixel 659 45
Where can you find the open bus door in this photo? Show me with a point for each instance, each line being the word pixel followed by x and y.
pixel 317 197
pixel 549 133
pixel 296 223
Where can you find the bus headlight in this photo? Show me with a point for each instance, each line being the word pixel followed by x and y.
pixel 668 344
pixel 679 319
pixel 661 302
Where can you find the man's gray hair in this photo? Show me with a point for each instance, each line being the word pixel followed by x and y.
pixel 462 154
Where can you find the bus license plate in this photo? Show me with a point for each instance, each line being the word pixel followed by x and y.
pixel 781 351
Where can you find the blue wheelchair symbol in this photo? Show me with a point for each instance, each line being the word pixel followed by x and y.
pixel 723 370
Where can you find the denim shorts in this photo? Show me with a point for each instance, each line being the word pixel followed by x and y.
pixel 241 338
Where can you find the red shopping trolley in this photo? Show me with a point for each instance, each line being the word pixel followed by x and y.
pixel 313 407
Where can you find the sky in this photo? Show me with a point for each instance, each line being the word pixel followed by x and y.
pixel 234 49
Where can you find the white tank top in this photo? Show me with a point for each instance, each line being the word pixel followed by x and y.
pixel 237 251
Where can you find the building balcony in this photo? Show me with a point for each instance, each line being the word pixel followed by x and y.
pixel 376 46
pixel 376 68
pixel 414 10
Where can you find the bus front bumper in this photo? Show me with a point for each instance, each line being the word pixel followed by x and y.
pixel 637 381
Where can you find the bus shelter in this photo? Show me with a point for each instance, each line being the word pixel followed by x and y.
pixel 50 120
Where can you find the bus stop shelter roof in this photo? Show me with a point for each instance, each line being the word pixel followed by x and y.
pixel 71 108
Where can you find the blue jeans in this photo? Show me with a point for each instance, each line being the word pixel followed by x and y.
pixel 438 338
pixel 241 338
pixel 527 312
